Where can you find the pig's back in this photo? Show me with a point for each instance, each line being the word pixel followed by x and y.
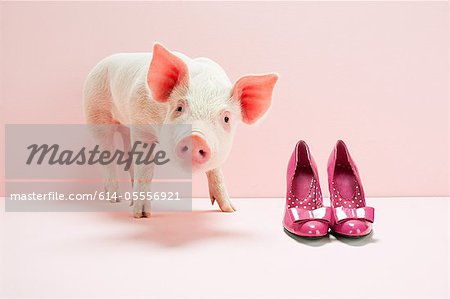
pixel 126 72
pixel 125 76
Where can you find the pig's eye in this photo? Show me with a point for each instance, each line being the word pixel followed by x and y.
pixel 226 118
pixel 180 109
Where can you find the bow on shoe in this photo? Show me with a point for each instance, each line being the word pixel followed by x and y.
pixel 298 215
pixel 343 214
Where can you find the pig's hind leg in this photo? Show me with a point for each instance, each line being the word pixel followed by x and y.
pixel 102 126
pixel 126 139
pixel 104 138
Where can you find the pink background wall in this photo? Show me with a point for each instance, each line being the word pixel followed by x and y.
pixel 373 74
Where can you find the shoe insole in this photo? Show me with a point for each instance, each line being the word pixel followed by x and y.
pixel 345 182
pixel 303 181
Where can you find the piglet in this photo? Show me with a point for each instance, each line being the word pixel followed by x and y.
pixel 164 87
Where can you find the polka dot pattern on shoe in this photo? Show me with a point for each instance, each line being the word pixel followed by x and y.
pixel 312 201
pixel 355 201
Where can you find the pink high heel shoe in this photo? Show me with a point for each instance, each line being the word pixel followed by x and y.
pixel 351 216
pixel 305 214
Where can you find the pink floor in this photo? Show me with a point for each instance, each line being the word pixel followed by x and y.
pixel 207 254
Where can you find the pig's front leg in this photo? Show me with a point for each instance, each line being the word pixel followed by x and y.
pixel 143 173
pixel 218 191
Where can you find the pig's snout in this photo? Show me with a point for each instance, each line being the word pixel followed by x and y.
pixel 193 147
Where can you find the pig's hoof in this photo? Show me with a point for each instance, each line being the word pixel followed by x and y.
pixel 228 207
pixel 141 208
pixel 138 215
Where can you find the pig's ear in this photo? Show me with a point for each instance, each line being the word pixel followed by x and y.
pixel 255 95
pixel 166 71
